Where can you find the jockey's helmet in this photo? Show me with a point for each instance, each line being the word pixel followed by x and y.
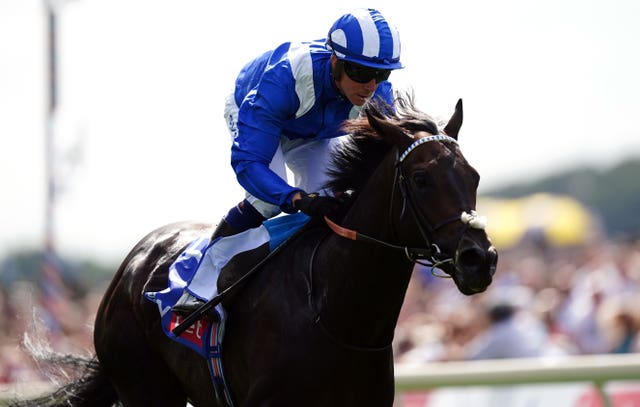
pixel 364 37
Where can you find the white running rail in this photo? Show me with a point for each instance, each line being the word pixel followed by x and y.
pixel 597 369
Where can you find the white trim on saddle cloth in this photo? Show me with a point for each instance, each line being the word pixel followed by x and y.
pixel 272 232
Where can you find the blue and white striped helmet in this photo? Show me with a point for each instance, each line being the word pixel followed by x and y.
pixel 365 37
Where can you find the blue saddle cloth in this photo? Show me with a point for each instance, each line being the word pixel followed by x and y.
pixel 180 272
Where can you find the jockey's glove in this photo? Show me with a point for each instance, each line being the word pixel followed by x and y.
pixel 315 205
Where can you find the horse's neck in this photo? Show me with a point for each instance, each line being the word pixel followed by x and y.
pixel 372 264
pixel 367 280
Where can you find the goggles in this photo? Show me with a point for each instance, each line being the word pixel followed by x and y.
pixel 363 74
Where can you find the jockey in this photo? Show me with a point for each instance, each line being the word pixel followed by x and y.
pixel 288 107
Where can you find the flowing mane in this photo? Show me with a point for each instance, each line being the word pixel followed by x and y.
pixel 362 150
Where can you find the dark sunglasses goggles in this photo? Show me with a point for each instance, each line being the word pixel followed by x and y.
pixel 363 74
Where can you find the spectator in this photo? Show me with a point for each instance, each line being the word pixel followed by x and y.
pixel 511 332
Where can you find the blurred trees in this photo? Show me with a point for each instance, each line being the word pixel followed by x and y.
pixel 79 276
pixel 613 194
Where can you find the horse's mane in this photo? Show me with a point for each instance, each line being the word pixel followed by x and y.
pixel 362 150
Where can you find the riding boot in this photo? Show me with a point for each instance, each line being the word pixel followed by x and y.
pixel 243 216
pixel 223 230
pixel 187 303
pixel 246 217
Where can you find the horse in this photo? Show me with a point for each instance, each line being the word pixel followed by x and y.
pixel 314 326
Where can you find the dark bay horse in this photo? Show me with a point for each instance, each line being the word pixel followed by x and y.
pixel 314 326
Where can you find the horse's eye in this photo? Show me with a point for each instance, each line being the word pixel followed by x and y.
pixel 420 179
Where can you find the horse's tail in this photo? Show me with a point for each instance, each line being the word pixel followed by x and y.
pixel 86 383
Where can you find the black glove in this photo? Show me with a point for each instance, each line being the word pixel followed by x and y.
pixel 316 205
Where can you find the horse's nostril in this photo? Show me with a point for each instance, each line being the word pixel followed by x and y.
pixel 470 257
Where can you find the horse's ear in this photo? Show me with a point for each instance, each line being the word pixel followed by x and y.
pixel 453 127
pixel 389 132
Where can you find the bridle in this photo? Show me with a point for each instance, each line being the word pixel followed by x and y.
pixel 431 252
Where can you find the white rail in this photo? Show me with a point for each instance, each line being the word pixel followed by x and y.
pixel 597 369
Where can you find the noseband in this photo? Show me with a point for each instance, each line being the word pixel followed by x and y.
pixel 431 252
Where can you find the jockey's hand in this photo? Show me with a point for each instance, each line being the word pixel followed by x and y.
pixel 316 205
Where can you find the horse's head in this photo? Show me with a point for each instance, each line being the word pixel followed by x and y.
pixel 434 199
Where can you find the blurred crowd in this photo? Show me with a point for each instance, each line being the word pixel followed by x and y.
pixel 543 302
pixel 29 317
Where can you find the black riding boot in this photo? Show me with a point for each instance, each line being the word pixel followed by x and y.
pixel 187 303
pixel 223 230
pixel 250 218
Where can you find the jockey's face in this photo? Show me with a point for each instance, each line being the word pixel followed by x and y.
pixel 357 93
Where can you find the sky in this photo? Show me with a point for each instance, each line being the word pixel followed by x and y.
pixel 139 134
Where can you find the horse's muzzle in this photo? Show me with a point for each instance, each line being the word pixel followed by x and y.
pixel 474 267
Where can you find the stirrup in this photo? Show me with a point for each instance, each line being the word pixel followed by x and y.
pixel 187 304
